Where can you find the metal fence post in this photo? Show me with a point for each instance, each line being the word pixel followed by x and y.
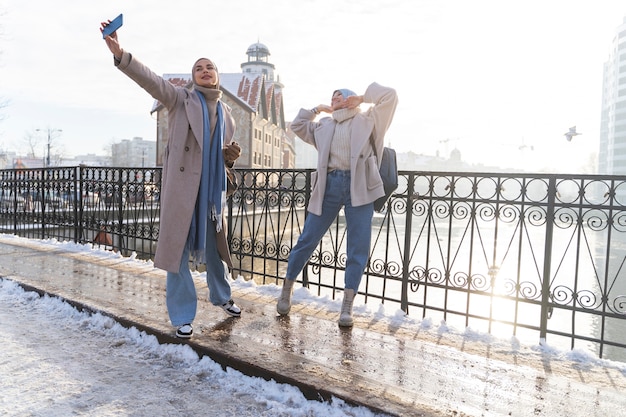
pixel 13 175
pixel 71 192
pixel 79 201
pixel 547 260
pixel 404 296
pixel 305 270
pixel 41 196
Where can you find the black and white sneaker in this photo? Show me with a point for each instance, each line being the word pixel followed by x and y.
pixel 185 331
pixel 231 308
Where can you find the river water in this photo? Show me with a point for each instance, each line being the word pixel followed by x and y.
pixel 507 265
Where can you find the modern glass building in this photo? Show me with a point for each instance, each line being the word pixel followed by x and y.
pixel 612 152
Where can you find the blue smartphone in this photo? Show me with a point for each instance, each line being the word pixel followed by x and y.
pixel 113 26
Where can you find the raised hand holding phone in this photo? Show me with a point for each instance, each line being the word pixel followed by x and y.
pixel 112 26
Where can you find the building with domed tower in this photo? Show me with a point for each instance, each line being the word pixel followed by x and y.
pixel 256 98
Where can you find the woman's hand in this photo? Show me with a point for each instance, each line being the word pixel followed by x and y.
pixel 112 42
pixel 350 102
pixel 232 151
pixel 353 101
pixel 324 108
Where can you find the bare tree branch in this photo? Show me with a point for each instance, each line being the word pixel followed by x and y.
pixel 31 141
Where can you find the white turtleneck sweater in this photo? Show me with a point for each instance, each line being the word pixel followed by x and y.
pixel 340 150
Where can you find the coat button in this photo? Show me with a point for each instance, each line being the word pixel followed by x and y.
pixel 182 169
pixel 186 148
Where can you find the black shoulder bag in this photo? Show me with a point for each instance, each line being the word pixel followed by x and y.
pixel 388 172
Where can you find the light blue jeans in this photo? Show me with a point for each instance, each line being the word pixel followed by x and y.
pixel 180 292
pixel 358 224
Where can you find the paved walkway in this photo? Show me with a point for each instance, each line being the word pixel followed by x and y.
pixel 389 370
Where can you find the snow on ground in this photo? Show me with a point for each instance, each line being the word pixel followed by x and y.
pixel 57 361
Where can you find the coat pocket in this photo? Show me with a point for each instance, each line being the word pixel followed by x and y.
pixel 372 173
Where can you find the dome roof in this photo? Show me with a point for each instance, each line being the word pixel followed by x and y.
pixel 455 155
pixel 258 48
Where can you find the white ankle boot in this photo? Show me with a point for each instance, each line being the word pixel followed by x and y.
pixel 284 301
pixel 345 318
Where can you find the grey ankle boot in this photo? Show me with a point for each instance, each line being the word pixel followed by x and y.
pixel 345 318
pixel 284 301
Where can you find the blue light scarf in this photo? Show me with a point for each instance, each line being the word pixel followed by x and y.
pixel 212 193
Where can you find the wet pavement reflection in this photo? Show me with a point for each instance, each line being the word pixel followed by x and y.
pixel 389 370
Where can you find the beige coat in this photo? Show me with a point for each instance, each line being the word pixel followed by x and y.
pixel 182 162
pixel 365 183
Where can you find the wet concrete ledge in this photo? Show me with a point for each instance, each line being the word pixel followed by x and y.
pixel 230 359
pixel 390 370
pixel 302 349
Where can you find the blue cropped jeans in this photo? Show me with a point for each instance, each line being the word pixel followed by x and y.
pixel 181 298
pixel 358 224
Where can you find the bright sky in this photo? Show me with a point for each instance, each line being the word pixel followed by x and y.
pixel 484 76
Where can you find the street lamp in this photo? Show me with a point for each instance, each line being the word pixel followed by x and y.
pixel 50 132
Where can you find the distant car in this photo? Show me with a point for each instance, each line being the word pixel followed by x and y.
pixel 55 199
pixel 51 199
pixel 68 198
pixel 90 199
pixel 9 201
pixel 113 198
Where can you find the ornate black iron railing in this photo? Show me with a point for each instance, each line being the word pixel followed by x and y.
pixel 533 255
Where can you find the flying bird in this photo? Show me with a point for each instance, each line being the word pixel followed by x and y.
pixel 524 146
pixel 572 132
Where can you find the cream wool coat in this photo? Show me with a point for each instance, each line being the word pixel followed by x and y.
pixel 182 163
pixel 365 183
